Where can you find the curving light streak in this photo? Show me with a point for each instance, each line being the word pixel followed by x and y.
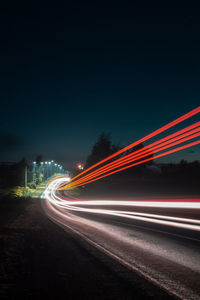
pixel 126 209
pixel 143 161
pixel 145 152
pixel 61 204
pixel 156 132
pixel 160 145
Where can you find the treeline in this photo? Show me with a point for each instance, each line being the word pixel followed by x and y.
pixel 182 171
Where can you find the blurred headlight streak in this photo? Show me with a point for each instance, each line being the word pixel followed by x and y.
pixel 132 210
pixel 62 204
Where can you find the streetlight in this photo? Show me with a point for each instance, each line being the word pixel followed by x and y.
pixel 80 166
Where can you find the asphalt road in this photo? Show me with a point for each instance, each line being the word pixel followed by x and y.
pixel 39 260
pixel 164 252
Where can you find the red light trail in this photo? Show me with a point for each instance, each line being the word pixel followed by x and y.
pixel 146 151
pixel 181 136
pixel 143 161
pixel 147 137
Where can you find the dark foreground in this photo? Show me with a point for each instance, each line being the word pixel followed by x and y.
pixel 39 260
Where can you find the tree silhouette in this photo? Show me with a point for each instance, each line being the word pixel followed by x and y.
pixel 102 148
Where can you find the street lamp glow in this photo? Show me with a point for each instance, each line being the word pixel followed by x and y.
pixel 80 166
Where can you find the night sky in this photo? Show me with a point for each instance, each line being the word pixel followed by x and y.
pixel 70 72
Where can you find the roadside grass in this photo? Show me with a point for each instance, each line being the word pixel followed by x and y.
pixel 16 192
pixel 31 191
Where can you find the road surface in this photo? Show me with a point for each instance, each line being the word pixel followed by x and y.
pixel 161 242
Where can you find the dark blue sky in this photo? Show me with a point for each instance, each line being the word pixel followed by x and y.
pixel 70 72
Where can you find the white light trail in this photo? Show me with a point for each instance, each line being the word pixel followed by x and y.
pixel 98 207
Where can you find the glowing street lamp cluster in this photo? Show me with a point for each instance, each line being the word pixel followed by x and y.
pixel 47 168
